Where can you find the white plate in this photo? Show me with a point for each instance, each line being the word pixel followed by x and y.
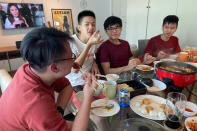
pixel 161 86
pixel 139 109
pixel 105 112
pixel 191 106
pixel 144 66
pixel 188 120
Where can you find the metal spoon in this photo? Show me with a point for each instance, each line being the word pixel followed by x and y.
pixel 108 106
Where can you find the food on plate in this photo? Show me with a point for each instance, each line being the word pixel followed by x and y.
pixel 188 109
pixel 144 67
pixel 113 77
pixel 146 101
pixel 149 108
pixel 125 87
pixel 76 66
pixel 192 125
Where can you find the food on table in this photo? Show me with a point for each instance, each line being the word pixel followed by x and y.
pixel 149 108
pixel 76 66
pixel 112 76
pixel 146 101
pixel 144 67
pixel 188 109
pixel 192 125
pixel 154 88
pixel 174 68
pixel 125 87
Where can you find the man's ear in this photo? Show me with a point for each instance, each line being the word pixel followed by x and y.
pixel 54 67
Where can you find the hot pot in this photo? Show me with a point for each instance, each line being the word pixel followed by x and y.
pixel 180 79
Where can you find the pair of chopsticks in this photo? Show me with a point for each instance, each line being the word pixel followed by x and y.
pixel 77 66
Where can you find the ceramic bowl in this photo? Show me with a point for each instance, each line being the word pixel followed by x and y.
pixel 190 109
pixel 114 76
pixel 159 84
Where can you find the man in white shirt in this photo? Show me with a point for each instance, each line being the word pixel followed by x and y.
pixel 85 45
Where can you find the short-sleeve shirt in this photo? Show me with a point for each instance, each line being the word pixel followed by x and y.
pixel 156 44
pixel 116 55
pixel 29 104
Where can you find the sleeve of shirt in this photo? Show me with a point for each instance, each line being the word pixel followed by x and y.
pixel 149 47
pixel 60 84
pixel 43 115
pixel 177 47
pixel 74 48
pixel 103 54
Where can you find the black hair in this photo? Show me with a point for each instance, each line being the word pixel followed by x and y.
pixel 112 20
pixel 85 13
pixel 171 19
pixel 42 46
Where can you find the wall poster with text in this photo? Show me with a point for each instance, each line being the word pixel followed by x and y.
pixel 62 20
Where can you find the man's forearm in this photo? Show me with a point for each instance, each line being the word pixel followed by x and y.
pixel 82 117
pixel 81 58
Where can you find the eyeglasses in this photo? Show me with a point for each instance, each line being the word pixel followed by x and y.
pixel 63 59
pixel 113 28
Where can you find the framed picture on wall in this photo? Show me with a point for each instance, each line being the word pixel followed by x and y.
pixel 62 20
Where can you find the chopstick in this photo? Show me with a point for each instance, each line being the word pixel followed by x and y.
pixel 83 72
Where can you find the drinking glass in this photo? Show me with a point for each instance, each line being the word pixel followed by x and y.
pixel 109 90
pixel 175 107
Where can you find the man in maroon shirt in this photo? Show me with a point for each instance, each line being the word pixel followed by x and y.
pixel 28 103
pixel 162 46
pixel 115 54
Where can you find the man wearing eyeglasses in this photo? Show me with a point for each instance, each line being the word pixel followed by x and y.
pixel 115 54
pixel 28 103
pixel 84 46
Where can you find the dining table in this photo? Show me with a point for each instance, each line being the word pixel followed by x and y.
pixel 121 119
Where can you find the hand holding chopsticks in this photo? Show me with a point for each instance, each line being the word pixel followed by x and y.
pixel 78 67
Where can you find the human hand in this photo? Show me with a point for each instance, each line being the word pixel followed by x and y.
pixel 133 63
pixel 96 38
pixel 89 85
pixel 18 22
pixel 162 55
pixel 95 69
pixel 148 59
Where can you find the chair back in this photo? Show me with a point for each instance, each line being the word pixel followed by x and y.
pixel 141 46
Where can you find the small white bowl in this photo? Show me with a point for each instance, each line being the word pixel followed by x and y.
pixel 161 86
pixel 99 88
pixel 190 106
pixel 113 75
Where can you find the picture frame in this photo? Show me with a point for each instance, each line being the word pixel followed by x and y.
pixel 62 20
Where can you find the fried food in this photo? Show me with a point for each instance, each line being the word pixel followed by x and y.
pixel 149 108
pixel 125 87
pixel 146 101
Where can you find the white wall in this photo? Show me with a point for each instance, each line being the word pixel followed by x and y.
pixel 100 8
pixel 137 17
